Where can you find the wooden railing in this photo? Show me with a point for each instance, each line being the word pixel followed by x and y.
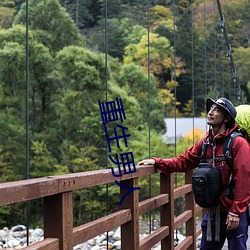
pixel 59 232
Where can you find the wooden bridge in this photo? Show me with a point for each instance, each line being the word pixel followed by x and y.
pixel 59 233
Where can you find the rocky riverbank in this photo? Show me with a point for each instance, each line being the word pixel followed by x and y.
pixel 16 238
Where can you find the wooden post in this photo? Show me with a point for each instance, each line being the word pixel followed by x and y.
pixel 167 210
pixel 130 230
pixel 58 219
pixel 190 205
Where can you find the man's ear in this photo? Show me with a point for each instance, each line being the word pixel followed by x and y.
pixel 228 118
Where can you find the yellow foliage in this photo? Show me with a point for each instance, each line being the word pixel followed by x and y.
pixel 195 134
pixel 6 17
pixel 160 53
pixel 161 15
pixel 174 112
pixel 203 114
pixel 166 96
pixel 172 84
pixel 179 66
pixel 188 106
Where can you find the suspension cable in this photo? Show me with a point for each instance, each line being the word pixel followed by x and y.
pixel 149 121
pixel 174 75
pixel 221 68
pixel 205 50
pixel 27 207
pixel 192 76
pixel 229 53
pixel 106 97
pixel 175 95
pixel 215 51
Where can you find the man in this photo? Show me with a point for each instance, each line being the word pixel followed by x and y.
pixel 221 115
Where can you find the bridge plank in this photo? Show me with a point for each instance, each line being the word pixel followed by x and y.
pixel 19 191
pixel 99 177
pixel 46 244
pixel 152 203
pixel 185 189
pixel 182 218
pixel 91 229
pixel 24 190
pixel 154 238
pixel 187 242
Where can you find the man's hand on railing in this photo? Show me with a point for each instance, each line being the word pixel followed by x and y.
pixel 146 162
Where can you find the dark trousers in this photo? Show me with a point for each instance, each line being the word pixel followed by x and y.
pixel 237 238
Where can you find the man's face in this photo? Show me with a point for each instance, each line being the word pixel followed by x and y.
pixel 215 116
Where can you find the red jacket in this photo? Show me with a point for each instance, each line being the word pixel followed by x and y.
pixel 241 167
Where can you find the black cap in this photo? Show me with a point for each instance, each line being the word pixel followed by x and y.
pixel 223 103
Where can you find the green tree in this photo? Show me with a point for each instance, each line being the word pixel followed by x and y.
pixel 12 113
pixel 13 148
pixel 132 9
pixel 40 66
pixel 117 31
pixel 237 21
pixel 135 81
pixel 161 57
pixel 53 25
pixel 84 13
pixel 79 72
pixel 42 163
pixel 13 60
pixel 141 149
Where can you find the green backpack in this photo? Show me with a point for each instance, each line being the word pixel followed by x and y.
pixel 243 120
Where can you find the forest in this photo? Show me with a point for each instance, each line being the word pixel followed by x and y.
pixel 60 58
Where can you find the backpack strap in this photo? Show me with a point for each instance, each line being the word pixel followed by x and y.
pixel 227 151
pixel 217 207
pixel 227 148
pixel 203 152
pixel 203 158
